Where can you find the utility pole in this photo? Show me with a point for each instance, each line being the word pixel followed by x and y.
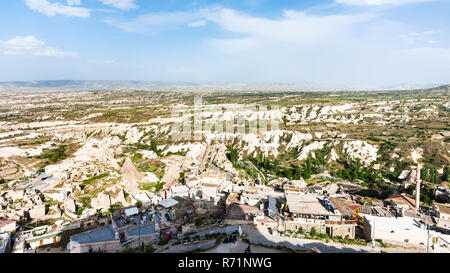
pixel 418 181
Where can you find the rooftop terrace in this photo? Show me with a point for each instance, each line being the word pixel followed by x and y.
pixel 102 234
pixel 307 204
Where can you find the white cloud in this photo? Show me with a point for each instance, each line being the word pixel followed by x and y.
pixel 52 52
pixel 74 2
pixel 344 49
pixel 424 36
pixel 121 4
pixel 294 27
pixel 380 2
pixel 52 9
pixel 29 45
pixel 348 48
pixel 155 22
pixel 200 23
pixel 21 44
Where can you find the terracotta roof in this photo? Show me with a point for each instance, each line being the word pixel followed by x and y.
pixel 343 208
pixel 353 207
pixel 411 202
pixel 4 222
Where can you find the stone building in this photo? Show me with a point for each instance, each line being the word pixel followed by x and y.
pixel 310 211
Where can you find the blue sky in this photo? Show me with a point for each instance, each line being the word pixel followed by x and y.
pixel 351 42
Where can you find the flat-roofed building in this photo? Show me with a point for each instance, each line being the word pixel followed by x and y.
pixel 401 201
pixel 182 191
pixel 40 236
pixel 311 211
pixel 44 239
pixel 269 215
pixel 241 214
pixel 210 176
pixel 292 189
pixel 443 226
pixel 400 230
pixel 443 211
pixel 104 239
pixel 143 198
pixel 210 191
pixel 347 208
pixel 8 225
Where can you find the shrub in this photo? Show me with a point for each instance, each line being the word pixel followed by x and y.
pixel 149 248
pixel 162 241
pixel 313 232
pixel 79 211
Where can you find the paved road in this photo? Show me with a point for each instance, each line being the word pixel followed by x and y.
pixel 189 247
pixel 262 236
pixel 226 229
pixel 239 247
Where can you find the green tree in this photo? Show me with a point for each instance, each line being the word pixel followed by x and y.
pixel 446 174
pixel 233 154
pixel 154 146
pixel 435 176
pixel 424 174
pixel 426 199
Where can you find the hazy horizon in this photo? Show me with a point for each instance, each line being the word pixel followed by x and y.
pixel 94 85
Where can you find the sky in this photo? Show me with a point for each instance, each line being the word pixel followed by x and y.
pixel 341 42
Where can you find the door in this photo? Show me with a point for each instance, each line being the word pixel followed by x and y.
pixel 329 231
pixel 41 242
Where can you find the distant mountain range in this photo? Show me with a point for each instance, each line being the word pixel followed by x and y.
pixel 100 85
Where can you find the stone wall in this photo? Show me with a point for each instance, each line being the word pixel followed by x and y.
pixel 107 246
pixel 333 230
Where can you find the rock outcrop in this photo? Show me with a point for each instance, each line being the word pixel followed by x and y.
pixel 130 176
